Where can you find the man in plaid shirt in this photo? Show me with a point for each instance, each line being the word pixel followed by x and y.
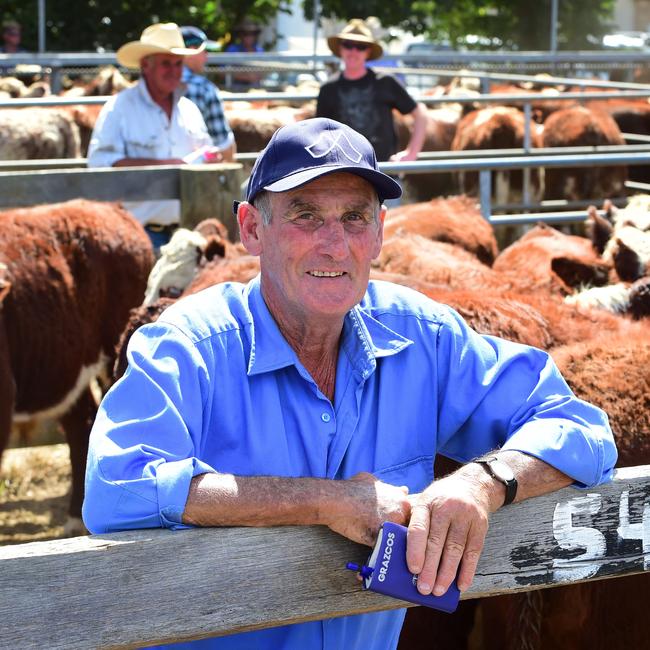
pixel 204 93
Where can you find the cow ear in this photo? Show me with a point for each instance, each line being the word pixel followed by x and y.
pixel 215 247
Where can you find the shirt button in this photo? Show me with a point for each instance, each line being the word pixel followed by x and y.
pixel 325 417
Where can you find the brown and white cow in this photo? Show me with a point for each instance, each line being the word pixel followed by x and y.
pixel 452 219
pixel 38 133
pixel 580 127
pixel 498 127
pixel 71 273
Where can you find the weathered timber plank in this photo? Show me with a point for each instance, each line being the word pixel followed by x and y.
pixel 208 191
pixel 21 189
pixel 145 587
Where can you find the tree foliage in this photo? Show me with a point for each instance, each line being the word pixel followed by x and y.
pixel 510 24
pixel 107 24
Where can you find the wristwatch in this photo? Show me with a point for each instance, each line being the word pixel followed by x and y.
pixel 499 470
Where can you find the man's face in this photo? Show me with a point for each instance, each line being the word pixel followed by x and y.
pixel 11 35
pixel 197 61
pixel 162 73
pixel 315 254
pixel 352 56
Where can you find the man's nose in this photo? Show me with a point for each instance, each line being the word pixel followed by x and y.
pixel 333 239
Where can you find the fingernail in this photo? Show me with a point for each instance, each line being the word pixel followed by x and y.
pixel 439 591
pixel 424 588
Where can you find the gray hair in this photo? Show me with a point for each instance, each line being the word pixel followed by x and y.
pixel 262 203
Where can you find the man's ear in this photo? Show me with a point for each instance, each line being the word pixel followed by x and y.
pixel 250 223
pixel 380 232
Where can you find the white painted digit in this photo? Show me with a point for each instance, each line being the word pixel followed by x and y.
pixel 572 537
pixel 640 531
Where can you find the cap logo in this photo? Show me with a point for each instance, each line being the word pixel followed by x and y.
pixel 328 141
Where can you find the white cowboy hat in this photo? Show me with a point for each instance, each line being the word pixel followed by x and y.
pixel 161 38
pixel 358 31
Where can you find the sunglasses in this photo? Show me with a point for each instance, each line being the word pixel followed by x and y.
pixel 353 45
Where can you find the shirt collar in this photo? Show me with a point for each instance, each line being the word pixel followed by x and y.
pixel 364 339
pixel 144 93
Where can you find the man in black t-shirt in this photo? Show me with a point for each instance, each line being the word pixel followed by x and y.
pixel 364 99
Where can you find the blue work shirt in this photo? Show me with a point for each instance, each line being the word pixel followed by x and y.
pixel 214 386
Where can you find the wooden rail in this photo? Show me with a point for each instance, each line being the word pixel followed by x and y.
pixel 203 190
pixel 129 589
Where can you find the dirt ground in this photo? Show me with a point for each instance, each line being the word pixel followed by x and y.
pixel 34 485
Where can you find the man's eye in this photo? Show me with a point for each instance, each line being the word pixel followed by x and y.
pixel 355 217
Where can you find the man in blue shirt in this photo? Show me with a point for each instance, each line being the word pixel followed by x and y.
pixel 313 396
pixel 204 93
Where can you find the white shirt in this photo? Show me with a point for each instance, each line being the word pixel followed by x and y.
pixel 132 125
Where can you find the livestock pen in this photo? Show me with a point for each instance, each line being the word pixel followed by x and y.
pixel 241 579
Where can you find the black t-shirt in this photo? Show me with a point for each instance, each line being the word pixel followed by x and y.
pixel 366 105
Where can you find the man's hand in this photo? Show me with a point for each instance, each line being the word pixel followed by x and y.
pixel 372 502
pixel 449 521
pixel 404 156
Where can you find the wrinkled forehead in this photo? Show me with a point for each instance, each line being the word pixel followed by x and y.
pixel 163 59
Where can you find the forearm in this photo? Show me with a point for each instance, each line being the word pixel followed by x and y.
pixel 228 500
pixel 355 507
pixel 418 134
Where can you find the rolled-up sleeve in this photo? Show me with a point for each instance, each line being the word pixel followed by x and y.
pixel 142 452
pixel 107 144
pixel 499 394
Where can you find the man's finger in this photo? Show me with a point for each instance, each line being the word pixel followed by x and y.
pixel 452 554
pixel 418 533
pixel 473 550
pixel 445 548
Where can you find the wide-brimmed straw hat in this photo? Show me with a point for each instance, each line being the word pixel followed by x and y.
pixel 161 38
pixel 359 32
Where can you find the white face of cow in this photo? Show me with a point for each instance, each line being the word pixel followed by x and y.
pixel 5 285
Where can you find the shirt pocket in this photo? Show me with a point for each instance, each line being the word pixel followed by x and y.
pixel 142 144
pixel 416 474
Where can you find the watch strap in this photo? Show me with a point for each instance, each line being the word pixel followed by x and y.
pixel 492 464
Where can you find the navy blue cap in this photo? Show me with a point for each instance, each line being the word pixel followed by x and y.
pixel 303 151
pixel 195 37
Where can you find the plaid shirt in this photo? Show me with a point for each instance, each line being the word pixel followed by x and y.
pixel 206 96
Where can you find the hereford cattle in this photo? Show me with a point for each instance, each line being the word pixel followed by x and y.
pixel 453 219
pixel 437 263
pixel 631 116
pixel 548 260
pixel 13 88
pixel 73 271
pixel 253 127
pixel 581 127
pixel 623 238
pixel 500 127
pixel 37 133
pixel 108 81
pixel 550 98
